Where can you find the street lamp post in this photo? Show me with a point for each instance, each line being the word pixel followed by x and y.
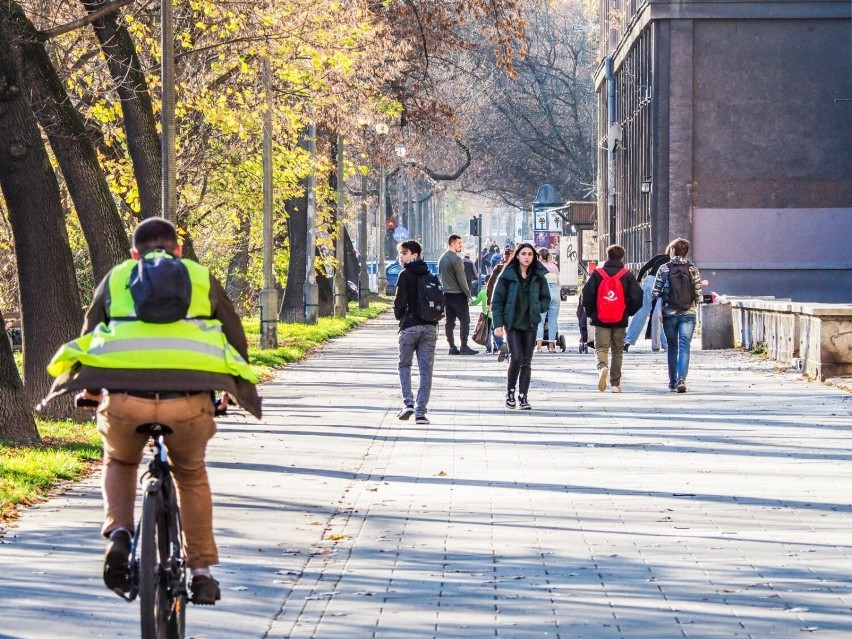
pixel 311 294
pixel 381 276
pixel 268 296
pixel 341 298
pixel 363 276
pixel 167 112
pixel 400 153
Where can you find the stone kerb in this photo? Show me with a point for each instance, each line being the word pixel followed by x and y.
pixel 819 334
pixel 825 342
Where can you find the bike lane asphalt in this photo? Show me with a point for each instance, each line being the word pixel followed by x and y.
pixel 719 513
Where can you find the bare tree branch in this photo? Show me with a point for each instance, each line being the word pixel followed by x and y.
pixel 82 22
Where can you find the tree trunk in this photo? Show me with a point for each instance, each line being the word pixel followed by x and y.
pixel 17 425
pixel 102 226
pixel 236 285
pixel 352 266
pixel 325 286
pixel 143 141
pixel 293 307
pixel 51 313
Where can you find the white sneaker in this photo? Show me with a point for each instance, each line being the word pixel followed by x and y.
pixel 616 389
pixel 602 378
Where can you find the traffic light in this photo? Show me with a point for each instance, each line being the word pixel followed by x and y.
pixel 391 224
pixel 474 226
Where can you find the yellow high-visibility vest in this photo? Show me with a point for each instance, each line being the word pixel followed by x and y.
pixel 194 343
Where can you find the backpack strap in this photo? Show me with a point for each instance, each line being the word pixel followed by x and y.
pixel 607 276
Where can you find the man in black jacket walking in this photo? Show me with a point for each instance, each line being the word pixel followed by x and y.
pixel 416 335
pixel 610 331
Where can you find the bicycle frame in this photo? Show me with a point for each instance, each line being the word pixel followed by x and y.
pixel 158 479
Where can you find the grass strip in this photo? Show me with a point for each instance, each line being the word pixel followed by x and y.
pixel 70 450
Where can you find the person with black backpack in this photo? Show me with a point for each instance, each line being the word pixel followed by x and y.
pixel 678 285
pixel 419 306
pixel 610 296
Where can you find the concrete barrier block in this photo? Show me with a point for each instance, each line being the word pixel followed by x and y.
pixel 717 327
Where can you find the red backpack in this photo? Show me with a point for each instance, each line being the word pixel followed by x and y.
pixel 611 304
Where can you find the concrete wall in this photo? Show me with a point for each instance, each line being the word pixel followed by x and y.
pixel 772 186
pixel 819 334
pixel 750 142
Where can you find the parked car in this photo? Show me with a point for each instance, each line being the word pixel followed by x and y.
pixel 393 270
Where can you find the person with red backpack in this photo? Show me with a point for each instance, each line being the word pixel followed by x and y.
pixel 610 296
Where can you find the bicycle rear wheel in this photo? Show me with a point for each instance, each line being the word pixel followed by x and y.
pixel 161 614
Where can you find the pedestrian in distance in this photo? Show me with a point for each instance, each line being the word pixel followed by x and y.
pixel 470 274
pixel 499 343
pixel 646 277
pixel 610 296
pixel 678 285
pixel 521 295
pixel 158 338
pixel 552 313
pixel 481 300
pixel 457 294
pixel 418 328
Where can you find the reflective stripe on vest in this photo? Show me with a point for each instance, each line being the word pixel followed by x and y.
pixel 190 344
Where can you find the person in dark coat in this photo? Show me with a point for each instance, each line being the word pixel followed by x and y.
pixel 416 335
pixel 520 296
pixel 610 334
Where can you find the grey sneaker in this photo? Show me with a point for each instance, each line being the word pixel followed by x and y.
pixel 523 404
pixel 453 351
pixel 405 413
pixel 422 419
pixel 501 355
pixel 681 386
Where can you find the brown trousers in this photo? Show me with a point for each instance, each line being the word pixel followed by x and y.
pixel 606 339
pixel 191 419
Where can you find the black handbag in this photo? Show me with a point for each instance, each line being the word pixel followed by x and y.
pixel 480 333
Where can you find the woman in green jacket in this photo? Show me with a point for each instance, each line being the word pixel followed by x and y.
pixel 520 297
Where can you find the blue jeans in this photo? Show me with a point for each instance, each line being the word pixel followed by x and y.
pixel 637 322
pixel 496 342
pixel 421 340
pixel 678 330
pixel 552 318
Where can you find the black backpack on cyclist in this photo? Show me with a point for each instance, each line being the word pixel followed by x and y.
pixel 161 288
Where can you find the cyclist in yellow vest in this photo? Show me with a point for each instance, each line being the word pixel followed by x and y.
pixel 141 372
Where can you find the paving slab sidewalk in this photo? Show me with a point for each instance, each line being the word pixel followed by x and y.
pixel 723 512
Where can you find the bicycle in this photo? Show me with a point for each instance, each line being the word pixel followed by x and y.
pixel 159 573
pixel 157 564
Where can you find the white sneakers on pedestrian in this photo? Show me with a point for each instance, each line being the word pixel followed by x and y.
pixel 616 389
pixel 602 373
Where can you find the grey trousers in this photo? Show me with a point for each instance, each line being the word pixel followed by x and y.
pixel 420 340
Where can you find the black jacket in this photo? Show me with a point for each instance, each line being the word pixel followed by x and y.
pixel 632 294
pixel 406 295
